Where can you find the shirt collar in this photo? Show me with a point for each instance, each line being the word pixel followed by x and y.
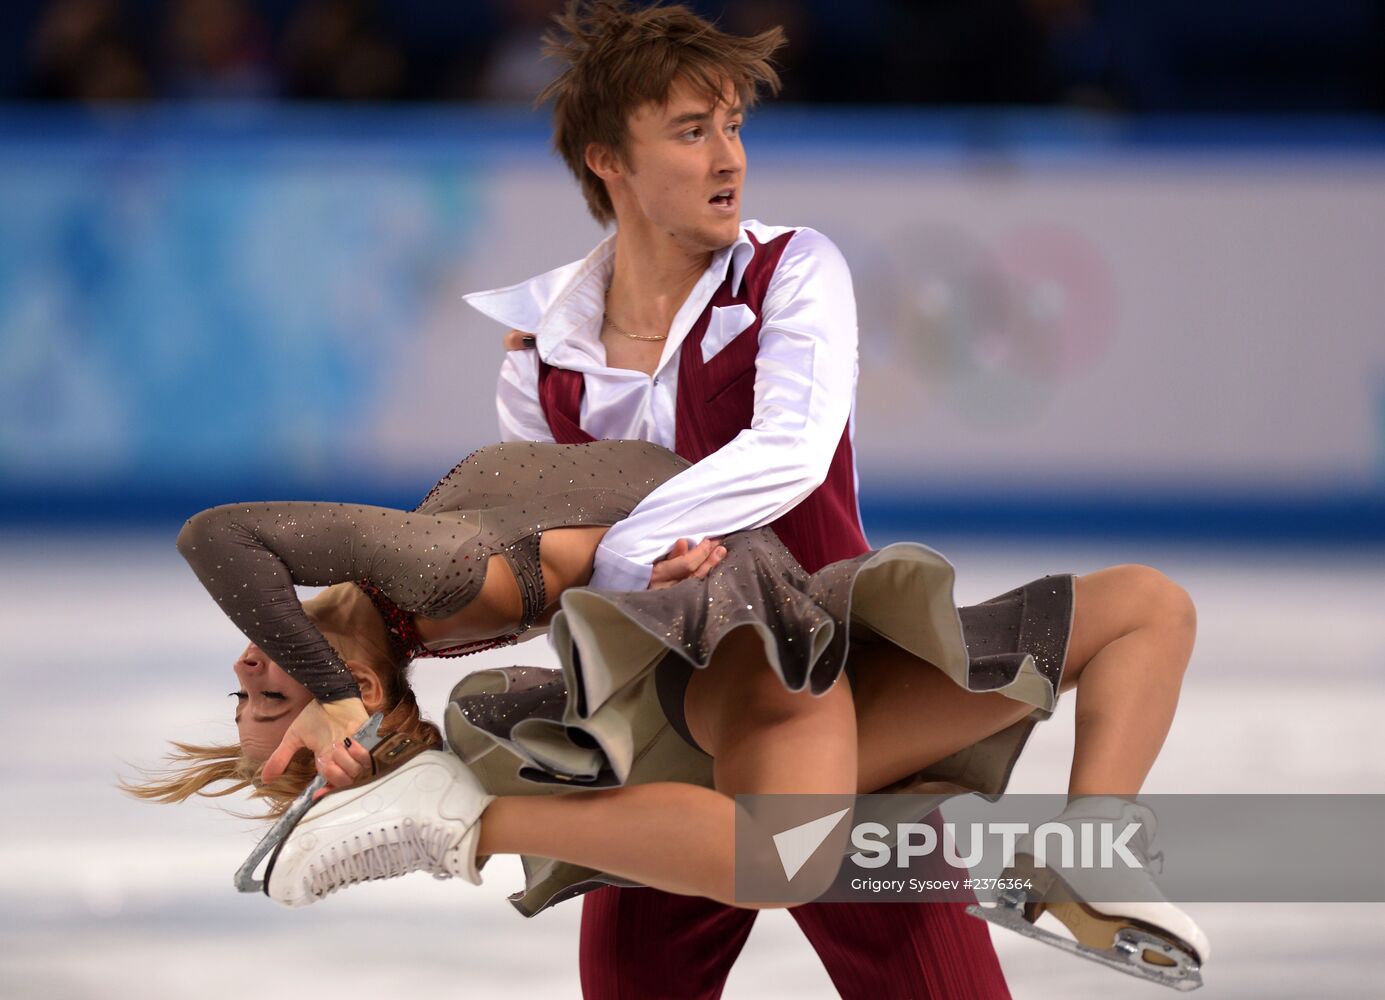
pixel 738 256
pixel 563 307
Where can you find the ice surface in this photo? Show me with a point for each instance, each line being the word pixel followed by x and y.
pixel 111 648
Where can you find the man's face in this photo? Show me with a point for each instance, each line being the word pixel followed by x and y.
pixel 685 166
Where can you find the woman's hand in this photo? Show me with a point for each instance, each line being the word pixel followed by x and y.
pixel 685 560
pixel 326 730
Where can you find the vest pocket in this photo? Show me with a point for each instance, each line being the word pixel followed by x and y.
pixel 745 379
pixel 725 325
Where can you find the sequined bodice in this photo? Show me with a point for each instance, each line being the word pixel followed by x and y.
pixel 430 561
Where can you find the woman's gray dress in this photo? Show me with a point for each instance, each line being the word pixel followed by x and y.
pixel 612 714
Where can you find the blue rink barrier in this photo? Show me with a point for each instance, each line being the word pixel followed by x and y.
pixel 182 320
pixel 1350 520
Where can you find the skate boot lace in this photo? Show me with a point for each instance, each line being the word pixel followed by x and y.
pixel 385 852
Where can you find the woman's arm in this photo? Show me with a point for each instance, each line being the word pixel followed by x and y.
pixel 249 556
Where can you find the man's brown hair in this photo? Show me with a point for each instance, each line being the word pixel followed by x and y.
pixel 620 56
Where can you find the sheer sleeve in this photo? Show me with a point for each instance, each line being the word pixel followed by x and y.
pixel 429 561
pixel 549 475
pixel 249 556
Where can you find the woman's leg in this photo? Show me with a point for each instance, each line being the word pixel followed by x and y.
pixel 677 837
pixel 671 836
pixel 910 715
pixel 1133 651
pixel 764 738
pixel 1131 639
pixel 1132 636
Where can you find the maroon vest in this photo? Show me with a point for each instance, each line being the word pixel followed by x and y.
pixel 716 401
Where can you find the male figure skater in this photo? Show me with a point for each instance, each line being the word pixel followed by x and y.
pixel 735 345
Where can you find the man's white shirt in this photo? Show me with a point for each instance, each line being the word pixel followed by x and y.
pixel 805 383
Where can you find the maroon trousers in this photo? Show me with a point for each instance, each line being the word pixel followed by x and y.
pixel 644 943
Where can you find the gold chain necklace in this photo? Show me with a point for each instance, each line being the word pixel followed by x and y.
pixel 626 333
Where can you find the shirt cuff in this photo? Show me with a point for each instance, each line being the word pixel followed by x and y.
pixel 615 572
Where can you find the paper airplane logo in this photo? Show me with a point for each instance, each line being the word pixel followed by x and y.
pixel 797 844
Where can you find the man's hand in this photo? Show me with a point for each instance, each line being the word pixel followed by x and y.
pixel 325 729
pixel 686 560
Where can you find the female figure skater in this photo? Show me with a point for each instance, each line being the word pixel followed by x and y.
pixel 744 665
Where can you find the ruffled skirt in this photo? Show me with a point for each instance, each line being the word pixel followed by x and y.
pixel 612 714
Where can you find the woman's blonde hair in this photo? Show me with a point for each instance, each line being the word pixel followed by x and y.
pixel 346 618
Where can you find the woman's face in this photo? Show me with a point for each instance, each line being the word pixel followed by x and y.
pixel 266 702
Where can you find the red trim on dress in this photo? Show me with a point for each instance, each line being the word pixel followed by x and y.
pixel 404 633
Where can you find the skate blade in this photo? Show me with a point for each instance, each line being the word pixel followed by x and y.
pixel 246 881
pixel 1127 953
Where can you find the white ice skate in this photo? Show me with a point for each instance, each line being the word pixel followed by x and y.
pixel 1149 938
pixel 424 816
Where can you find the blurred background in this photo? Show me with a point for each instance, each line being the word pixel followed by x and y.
pixel 1119 272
